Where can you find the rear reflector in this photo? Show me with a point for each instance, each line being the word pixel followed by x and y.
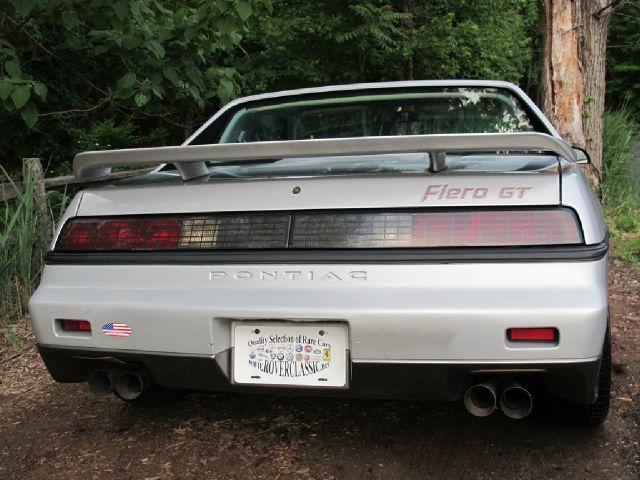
pixel 75 325
pixel 389 229
pixel 532 334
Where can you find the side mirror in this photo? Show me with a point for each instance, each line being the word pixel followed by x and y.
pixel 582 157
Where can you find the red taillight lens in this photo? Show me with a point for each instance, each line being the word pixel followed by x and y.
pixel 75 325
pixel 126 234
pixel 532 334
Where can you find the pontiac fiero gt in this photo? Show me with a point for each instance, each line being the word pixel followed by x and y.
pixel 428 239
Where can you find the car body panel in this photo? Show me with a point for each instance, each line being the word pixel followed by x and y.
pixel 499 189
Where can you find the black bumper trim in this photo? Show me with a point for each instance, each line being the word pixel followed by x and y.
pixel 555 253
pixel 575 381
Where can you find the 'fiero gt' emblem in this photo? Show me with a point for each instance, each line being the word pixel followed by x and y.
pixel 288 275
pixel 444 192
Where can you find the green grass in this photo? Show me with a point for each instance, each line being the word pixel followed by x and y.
pixel 23 242
pixel 626 247
pixel 620 192
pixel 13 338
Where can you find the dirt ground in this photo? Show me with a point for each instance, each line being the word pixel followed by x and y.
pixel 55 431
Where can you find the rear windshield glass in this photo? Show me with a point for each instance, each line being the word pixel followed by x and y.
pixel 432 111
pixel 407 163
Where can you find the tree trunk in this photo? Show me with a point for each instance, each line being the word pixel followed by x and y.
pixel 562 87
pixel 32 172
pixel 572 74
pixel 408 7
pixel 595 21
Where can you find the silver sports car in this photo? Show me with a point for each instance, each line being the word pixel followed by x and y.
pixel 428 239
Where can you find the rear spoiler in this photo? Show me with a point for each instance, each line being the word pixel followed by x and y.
pixel 191 159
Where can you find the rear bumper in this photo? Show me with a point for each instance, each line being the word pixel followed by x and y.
pixel 439 381
pixel 423 331
pixel 439 312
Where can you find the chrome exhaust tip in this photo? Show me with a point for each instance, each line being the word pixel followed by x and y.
pixel 130 385
pixel 480 400
pixel 101 382
pixel 516 401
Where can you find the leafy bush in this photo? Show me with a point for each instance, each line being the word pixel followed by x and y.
pixel 623 58
pixel 68 65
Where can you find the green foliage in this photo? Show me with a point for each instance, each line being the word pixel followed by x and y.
pixel 107 134
pixel 469 39
pixel 374 25
pixel 627 247
pixel 623 58
pixel 620 175
pixel 87 74
pixel 621 183
pixel 19 92
pixel 298 46
pixel 66 65
pixel 22 245
pixel 13 339
pixel 372 40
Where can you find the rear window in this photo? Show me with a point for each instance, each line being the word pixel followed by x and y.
pixel 362 114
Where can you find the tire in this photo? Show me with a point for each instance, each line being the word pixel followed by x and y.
pixel 571 413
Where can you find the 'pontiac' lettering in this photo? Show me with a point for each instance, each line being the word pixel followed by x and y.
pixel 288 275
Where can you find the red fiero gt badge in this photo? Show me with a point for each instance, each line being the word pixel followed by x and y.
pixel 444 192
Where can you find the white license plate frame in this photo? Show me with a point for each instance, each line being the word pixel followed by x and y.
pixel 290 354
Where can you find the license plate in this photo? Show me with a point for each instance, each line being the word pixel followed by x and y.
pixel 293 353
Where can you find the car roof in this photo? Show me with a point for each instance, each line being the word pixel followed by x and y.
pixel 374 85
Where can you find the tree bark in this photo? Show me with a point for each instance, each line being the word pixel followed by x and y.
pixel 573 72
pixel 595 21
pixel 562 86
pixel 32 172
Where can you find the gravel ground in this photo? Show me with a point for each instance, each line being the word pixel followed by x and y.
pixel 55 431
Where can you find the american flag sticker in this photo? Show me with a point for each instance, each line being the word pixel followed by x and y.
pixel 116 329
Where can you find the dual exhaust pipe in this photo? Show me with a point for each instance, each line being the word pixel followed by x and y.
pixel 481 400
pixel 514 400
pixel 128 385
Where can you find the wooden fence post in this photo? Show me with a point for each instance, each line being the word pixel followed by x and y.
pixel 32 169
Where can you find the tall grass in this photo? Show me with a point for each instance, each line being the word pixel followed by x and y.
pixel 23 242
pixel 621 182
pixel 620 175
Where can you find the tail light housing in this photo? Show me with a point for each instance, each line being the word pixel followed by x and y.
pixel 325 230
pixel 121 234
